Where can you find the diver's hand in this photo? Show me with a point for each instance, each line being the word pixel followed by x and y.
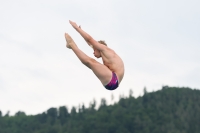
pixel 74 24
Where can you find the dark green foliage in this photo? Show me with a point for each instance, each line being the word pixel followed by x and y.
pixel 170 110
pixel 19 113
pixel 63 115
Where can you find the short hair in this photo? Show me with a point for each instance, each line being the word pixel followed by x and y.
pixel 102 42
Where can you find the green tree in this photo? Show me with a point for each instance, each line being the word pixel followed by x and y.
pixel 52 115
pixel 169 110
pixel 19 113
pixel 63 115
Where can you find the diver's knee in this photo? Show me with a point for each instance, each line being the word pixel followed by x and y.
pixel 89 62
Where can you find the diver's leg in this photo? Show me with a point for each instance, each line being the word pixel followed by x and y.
pixel 72 45
pixel 101 71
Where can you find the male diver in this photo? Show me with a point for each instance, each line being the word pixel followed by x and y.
pixel 111 72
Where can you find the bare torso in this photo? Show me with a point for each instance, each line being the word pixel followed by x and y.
pixel 113 62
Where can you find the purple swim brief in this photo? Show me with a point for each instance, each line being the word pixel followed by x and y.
pixel 113 83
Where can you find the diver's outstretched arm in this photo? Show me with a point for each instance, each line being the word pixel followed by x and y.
pixel 87 37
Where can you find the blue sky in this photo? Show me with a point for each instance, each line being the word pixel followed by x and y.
pixel 158 41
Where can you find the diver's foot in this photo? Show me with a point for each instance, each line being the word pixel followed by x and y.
pixel 69 41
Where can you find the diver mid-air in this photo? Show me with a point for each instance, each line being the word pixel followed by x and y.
pixel 111 72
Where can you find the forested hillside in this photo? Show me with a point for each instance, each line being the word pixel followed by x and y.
pixel 169 110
